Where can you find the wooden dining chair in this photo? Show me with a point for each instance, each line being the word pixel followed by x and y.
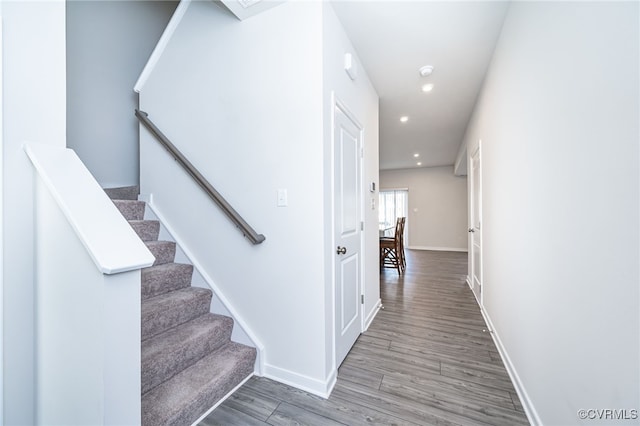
pixel 402 256
pixel 392 249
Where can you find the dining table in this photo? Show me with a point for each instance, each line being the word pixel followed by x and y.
pixel 384 228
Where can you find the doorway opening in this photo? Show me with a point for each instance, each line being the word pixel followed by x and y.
pixel 393 203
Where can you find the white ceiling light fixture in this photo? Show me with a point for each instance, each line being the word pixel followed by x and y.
pixel 426 70
pixel 427 88
pixel 419 163
pixel 416 155
pixel 404 119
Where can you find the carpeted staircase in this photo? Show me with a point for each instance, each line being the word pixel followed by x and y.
pixel 188 359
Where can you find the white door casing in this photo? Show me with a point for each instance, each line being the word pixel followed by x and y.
pixel 475 223
pixel 347 141
pixel 1 235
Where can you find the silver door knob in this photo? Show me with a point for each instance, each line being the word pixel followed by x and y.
pixel 341 250
pixel 472 230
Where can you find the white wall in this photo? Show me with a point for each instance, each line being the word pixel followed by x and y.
pixel 248 103
pixel 108 43
pixel 243 101
pixel 362 101
pixel 437 218
pixel 33 110
pixel 558 119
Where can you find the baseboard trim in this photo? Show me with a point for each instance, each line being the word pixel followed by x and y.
pixel 475 295
pixel 457 249
pixel 300 381
pixel 369 318
pixel 527 404
pixel 260 356
pixel 223 399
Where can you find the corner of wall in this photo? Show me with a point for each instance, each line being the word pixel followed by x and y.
pixel 460 165
pixel 162 45
pixel 321 388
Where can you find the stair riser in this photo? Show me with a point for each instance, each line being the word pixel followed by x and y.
pixel 189 394
pixel 131 210
pixel 160 319
pixel 159 366
pixel 123 193
pixel 163 251
pixel 157 281
pixel 147 230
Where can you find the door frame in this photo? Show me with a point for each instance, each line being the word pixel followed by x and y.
pixel 1 228
pixel 337 103
pixel 472 216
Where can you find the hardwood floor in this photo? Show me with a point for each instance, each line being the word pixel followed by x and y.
pixel 425 360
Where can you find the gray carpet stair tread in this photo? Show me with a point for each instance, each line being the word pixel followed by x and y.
pixel 131 209
pixel 174 350
pixel 186 396
pixel 147 230
pixel 123 192
pixel 169 310
pixel 188 361
pixel 157 280
pixel 163 251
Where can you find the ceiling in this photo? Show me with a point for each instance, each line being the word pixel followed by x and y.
pixel 393 40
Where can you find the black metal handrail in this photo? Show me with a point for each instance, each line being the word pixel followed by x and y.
pixel 247 230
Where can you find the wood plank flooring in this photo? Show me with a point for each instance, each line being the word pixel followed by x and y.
pixel 425 360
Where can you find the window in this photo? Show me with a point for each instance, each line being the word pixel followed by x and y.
pixel 393 204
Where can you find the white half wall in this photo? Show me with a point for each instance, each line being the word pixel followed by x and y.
pixel 34 105
pixel 88 355
pixel 108 43
pixel 437 218
pixel 559 122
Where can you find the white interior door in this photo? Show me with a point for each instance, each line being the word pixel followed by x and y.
pixel 347 142
pixel 1 239
pixel 475 228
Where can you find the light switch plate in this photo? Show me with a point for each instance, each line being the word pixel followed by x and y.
pixel 282 198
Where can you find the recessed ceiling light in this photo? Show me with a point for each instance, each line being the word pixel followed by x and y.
pixel 419 163
pixel 427 87
pixel 426 70
pixel 416 155
pixel 404 119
